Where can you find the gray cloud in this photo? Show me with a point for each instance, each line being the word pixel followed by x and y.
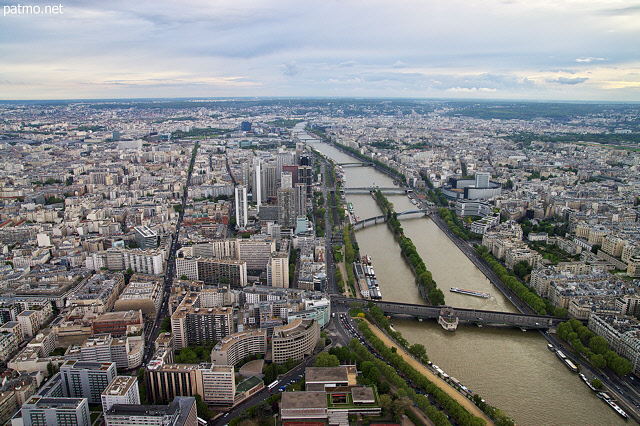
pixel 291 69
pixel 571 81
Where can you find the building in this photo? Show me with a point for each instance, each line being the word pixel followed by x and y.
pixel 278 270
pixel 145 237
pixel 295 340
pixel 126 352
pixel 116 323
pixel 39 411
pixel 193 324
pixel 287 214
pixel 242 216
pixel 144 293
pixel 482 179
pixel 121 390
pixel 149 262
pixel 215 383
pixel 86 379
pixel 30 322
pixel 236 347
pixel 225 272
pixel 180 412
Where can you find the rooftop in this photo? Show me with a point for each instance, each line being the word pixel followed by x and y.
pixel 303 400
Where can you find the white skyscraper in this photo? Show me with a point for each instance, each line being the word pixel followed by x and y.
pixel 241 206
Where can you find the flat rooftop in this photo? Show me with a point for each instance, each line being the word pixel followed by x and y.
pixel 119 386
pixel 326 374
pixel 302 400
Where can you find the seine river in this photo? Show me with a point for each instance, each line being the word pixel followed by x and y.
pixel 513 370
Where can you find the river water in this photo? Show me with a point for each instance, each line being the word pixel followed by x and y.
pixel 510 369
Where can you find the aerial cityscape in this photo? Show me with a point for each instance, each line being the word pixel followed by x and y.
pixel 319 213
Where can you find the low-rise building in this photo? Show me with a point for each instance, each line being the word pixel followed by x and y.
pixel 180 412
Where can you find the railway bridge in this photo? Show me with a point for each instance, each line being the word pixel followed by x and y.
pixel 449 317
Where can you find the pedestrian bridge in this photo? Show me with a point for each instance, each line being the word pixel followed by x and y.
pixel 381 219
pixel 450 315
pixel 367 190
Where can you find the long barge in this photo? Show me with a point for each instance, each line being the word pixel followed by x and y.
pixel 470 292
pixel 567 361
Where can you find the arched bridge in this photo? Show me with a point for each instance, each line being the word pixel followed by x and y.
pixel 381 219
pixel 474 316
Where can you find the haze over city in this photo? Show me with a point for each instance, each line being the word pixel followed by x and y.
pixel 543 50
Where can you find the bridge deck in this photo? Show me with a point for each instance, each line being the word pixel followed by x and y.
pixel 467 315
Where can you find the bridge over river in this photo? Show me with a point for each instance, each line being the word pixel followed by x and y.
pixel 382 218
pixel 450 317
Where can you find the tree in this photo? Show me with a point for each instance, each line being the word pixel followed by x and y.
pixel 385 401
pixel 183 277
pixel 598 345
pixel 129 271
pixel 596 383
pixel 325 359
pixel 202 408
pixel 166 324
pixel 400 405
pixel 598 361
pixel 417 350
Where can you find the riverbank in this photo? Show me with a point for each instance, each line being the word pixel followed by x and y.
pixel 444 386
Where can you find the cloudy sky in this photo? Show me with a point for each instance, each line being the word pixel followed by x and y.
pixel 509 49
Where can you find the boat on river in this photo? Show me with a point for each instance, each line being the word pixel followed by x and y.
pixel 606 398
pixel 470 292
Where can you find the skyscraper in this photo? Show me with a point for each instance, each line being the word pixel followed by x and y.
pixel 241 206
pixel 287 215
pixel 257 182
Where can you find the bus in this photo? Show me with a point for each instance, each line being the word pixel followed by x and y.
pixel 273 385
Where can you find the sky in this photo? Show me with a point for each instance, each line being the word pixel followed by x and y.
pixel 565 50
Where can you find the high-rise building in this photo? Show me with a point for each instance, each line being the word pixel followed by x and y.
pixel 278 272
pixel 482 179
pixel 287 215
pixel 86 379
pixel 39 411
pixel 245 126
pixel 286 181
pixel 193 324
pixel 257 184
pixel 271 181
pixel 241 206
pixel 301 199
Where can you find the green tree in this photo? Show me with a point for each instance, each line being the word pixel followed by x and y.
pixel 202 408
pixel 129 271
pixel 596 383
pixel 325 359
pixel 598 345
pixel 385 402
pixel 184 277
pixel 598 361
pixel 166 324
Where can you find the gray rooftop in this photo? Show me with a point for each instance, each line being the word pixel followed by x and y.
pixel 301 400
pixel 326 374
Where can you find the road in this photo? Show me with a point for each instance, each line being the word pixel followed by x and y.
pixel 169 272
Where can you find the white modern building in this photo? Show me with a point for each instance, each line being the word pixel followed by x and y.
pixel 122 390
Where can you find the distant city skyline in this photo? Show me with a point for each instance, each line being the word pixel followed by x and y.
pixel 497 49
